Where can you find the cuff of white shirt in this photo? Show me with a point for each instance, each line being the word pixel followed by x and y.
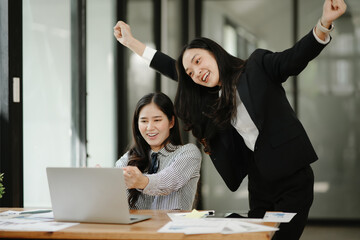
pixel 150 189
pixel 327 38
pixel 148 54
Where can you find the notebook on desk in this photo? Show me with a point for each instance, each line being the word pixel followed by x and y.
pixel 90 195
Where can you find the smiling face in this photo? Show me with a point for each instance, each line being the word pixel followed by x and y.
pixel 154 126
pixel 201 66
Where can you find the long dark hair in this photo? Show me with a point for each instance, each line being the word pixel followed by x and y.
pixel 139 151
pixel 201 108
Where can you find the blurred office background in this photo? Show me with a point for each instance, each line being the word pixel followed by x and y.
pixel 68 88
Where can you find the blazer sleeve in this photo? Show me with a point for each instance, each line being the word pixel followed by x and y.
pixel 165 65
pixel 290 62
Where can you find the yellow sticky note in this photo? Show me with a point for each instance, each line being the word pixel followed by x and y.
pixel 195 214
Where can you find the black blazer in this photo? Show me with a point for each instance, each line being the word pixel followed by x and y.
pixel 282 147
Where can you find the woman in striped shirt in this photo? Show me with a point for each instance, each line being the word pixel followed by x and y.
pixel 160 172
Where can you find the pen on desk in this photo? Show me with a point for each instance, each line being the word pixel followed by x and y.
pixel 210 212
pixel 36 211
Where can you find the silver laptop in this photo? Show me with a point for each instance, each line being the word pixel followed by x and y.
pixel 90 195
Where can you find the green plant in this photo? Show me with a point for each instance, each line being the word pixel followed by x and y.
pixel 2 188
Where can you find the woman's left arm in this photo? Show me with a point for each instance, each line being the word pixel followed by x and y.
pixel 185 166
pixel 332 10
pixel 134 178
pixel 280 65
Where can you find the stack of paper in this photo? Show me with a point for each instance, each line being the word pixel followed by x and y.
pixel 196 222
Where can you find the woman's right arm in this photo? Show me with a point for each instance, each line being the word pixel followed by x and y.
pixel 122 33
pixel 123 161
pixel 158 60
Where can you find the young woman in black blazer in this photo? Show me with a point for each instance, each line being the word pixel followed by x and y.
pixel 239 111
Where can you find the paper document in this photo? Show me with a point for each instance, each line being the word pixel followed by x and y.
pixel 193 226
pixel 213 225
pixel 197 222
pixel 194 214
pixel 35 220
pixel 281 217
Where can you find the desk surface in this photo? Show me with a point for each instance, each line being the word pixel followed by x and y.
pixel 141 230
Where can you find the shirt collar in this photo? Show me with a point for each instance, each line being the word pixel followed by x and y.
pixel 164 152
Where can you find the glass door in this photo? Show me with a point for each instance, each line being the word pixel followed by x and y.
pixel 46 94
pixel 47 91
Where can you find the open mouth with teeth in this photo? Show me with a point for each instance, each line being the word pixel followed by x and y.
pixel 205 77
pixel 152 134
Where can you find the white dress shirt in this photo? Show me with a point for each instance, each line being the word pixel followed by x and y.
pixel 244 125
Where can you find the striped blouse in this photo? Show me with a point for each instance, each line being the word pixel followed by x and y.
pixel 174 185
